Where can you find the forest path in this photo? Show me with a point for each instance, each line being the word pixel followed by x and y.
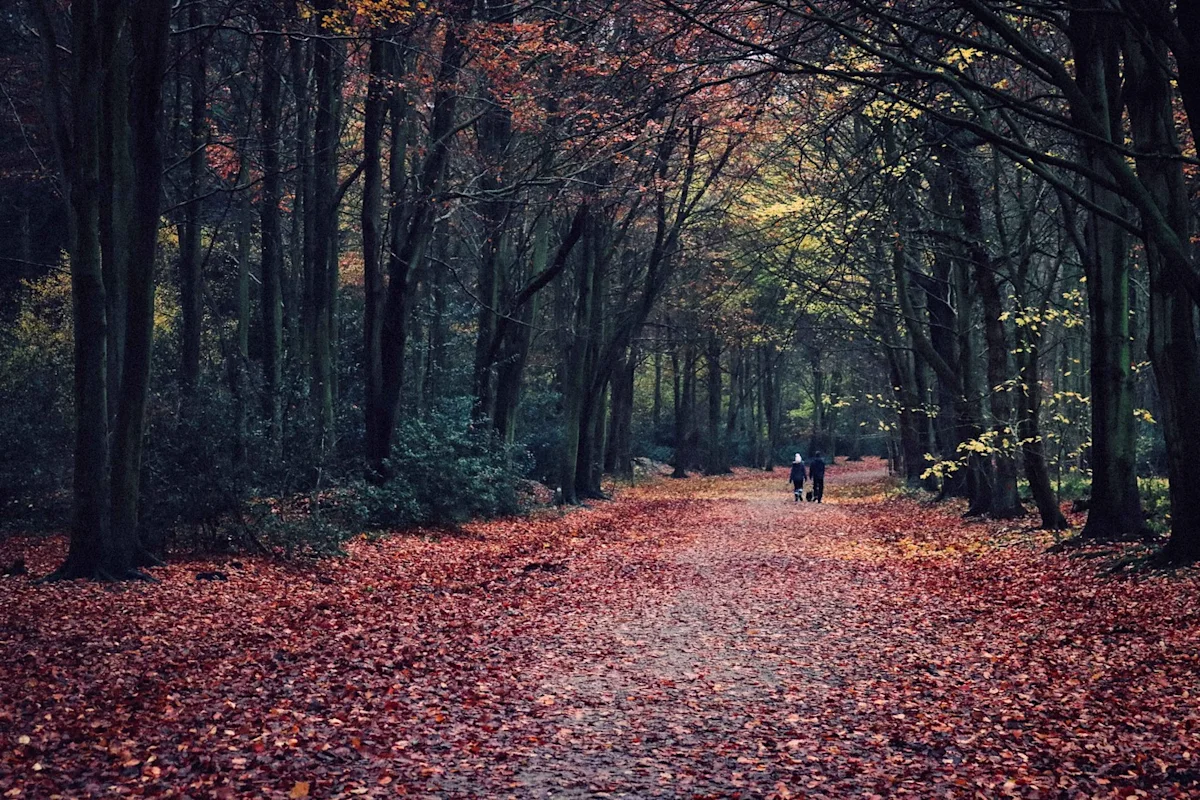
pixel 710 680
pixel 706 638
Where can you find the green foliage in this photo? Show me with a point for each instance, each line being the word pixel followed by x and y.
pixel 1074 485
pixel 1156 503
pixel 540 431
pixel 443 473
pixel 193 490
pixel 307 533
pixel 35 393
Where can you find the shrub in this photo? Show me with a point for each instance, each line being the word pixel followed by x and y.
pixel 442 472
pixel 35 393
pixel 1156 503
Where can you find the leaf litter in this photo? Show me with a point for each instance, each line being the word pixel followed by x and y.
pixel 701 638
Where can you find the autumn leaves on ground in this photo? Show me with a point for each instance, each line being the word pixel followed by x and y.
pixel 700 638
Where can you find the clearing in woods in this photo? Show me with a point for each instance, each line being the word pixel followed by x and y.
pixel 700 638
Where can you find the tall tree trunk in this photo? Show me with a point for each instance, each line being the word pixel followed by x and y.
pixel 297 305
pixel 493 135
pixel 771 410
pixel 92 552
pixel 372 237
pixel 717 461
pixel 1116 510
pixel 818 392
pixel 574 369
pixel 680 418
pixel 618 454
pixel 756 410
pixel 1006 503
pixel 238 359
pixel 327 74
pixel 656 407
pixel 737 396
pixel 1173 347
pixel 271 265
pixel 685 418
pixel 901 370
pixel 104 537
pixel 595 384
pixel 412 222
pixel 436 335
pixel 191 252
pixel 942 325
pixel 1033 448
pixel 149 27
pixel 970 417
pixel 116 178
pixel 512 342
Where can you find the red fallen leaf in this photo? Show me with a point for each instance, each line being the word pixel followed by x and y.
pixel 868 672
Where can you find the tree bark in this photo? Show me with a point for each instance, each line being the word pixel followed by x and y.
pixel 372 236
pixel 191 252
pixel 1173 347
pixel 271 265
pixel 718 460
pixel 412 220
pixel 104 541
pixel 328 53
pixel 1115 511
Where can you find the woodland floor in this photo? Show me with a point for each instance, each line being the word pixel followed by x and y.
pixel 700 638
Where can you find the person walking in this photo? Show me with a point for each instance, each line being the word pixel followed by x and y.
pixel 816 468
pixel 797 478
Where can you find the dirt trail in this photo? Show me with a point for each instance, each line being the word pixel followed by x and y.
pixel 720 680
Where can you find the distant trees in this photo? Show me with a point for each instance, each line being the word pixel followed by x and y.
pixel 1044 89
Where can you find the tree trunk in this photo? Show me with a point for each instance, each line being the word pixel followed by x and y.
pixel 372 240
pixel 736 397
pixel 771 410
pixel 297 305
pixel 412 222
pixel 436 333
pixel 149 27
pixel 191 253
pixel 116 180
pixel 92 550
pixel 574 368
pixel 1006 503
pixel 327 74
pixel 718 460
pixel 595 384
pixel 687 436
pixel 271 265
pixel 618 454
pixel 656 408
pixel 239 358
pixel 1173 345
pixel 104 537
pixel 1115 511
pixel 1033 446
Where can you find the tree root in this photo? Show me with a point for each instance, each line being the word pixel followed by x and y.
pixel 96 573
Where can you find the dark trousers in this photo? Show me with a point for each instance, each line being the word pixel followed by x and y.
pixel 818 488
pixel 799 489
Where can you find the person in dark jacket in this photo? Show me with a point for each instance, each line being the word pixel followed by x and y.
pixel 816 468
pixel 797 478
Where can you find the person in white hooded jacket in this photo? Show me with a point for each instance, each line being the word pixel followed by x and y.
pixel 796 478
